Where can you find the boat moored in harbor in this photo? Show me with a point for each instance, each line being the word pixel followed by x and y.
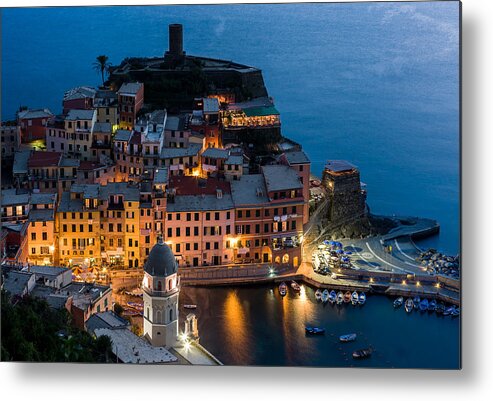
pixel 190 306
pixel 362 353
pixel 398 302
pixel 314 330
pixel 340 298
pixel 332 296
pixel 362 298
pixel 409 305
pixel 318 295
pixel 325 296
pixel 295 286
pixel 423 305
pixel 354 298
pixel 347 337
pixel 283 289
pixel 347 297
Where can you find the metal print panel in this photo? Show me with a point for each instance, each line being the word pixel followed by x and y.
pixel 271 184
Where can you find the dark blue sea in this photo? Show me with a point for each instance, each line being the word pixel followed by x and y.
pixel 374 83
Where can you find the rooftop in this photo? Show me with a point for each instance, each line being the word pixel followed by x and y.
pixel 89 191
pixel 193 149
pixel 189 185
pixel 68 162
pixel 210 105
pixel 249 190
pixel 130 88
pixel 280 178
pixel 87 165
pixel 338 166
pixel 130 348
pixel 297 157
pixel 47 271
pixel 42 199
pixel 41 215
pixel 44 159
pixel 193 203
pixel 102 127
pixel 122 135
pixel 20 161
pixel 161 175
pixel 81 92
pixel 216 153
pixel 234 159
pixel 106 320
pixel 74 115
pixel 10 197
pixel 84 294
pixel 35 113
pixel 69 205
pixel 176 123
pixel 129 192
pixel 15 282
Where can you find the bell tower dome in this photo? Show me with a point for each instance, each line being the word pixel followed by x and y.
pixel 161 285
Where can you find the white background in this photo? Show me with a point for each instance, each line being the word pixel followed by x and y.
pixel 101 382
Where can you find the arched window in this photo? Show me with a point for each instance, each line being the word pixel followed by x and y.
pixel 158 316
pixel 147 313
pixel 170 282
pixel 285 258
pixel 170 315
pixel 159 286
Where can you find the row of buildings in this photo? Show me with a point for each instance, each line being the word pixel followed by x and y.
pixel 112 178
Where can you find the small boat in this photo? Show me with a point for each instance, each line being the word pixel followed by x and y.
pixel 362 298
pixel 347 297
pixel 362 353
pixel 449 310
pixel 440 308
pixel 295 286
pixel 318 295
pixel 190 306
pixel 332 297
pixel 409 305
pixel 347 337
pixel 340 298
pixel 432 305
pixel 325 296
pixel 354 298
pixel 455 312
pixel 423 305
pixel 398 302
pixel 283 289
pixel 416 301
pixel 314 330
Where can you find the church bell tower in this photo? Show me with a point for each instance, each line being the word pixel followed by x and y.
pixel 161 285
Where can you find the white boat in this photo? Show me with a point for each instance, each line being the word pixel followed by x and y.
pixel 318 295
pixel 340 298
pixel 398 302
pixel 295 286
pixel 283 288
pixel 190 306
pixel 362 298
pixel 332 296
pixel 354 298
pixel 409 305
pixel 347 337
pixel 325 295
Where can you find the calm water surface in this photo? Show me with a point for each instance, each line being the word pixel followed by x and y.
pixel 376 84
pixel 256 326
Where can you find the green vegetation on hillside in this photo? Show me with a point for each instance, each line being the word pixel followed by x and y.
pixel 34 332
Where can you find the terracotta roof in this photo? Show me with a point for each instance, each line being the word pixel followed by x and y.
pixel 188 185
pixel 44 159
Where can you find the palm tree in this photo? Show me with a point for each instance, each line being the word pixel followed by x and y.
pixel 101 65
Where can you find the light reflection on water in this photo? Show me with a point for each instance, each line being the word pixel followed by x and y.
pixel 256 326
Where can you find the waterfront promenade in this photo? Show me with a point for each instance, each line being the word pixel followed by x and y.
pixel 375 270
